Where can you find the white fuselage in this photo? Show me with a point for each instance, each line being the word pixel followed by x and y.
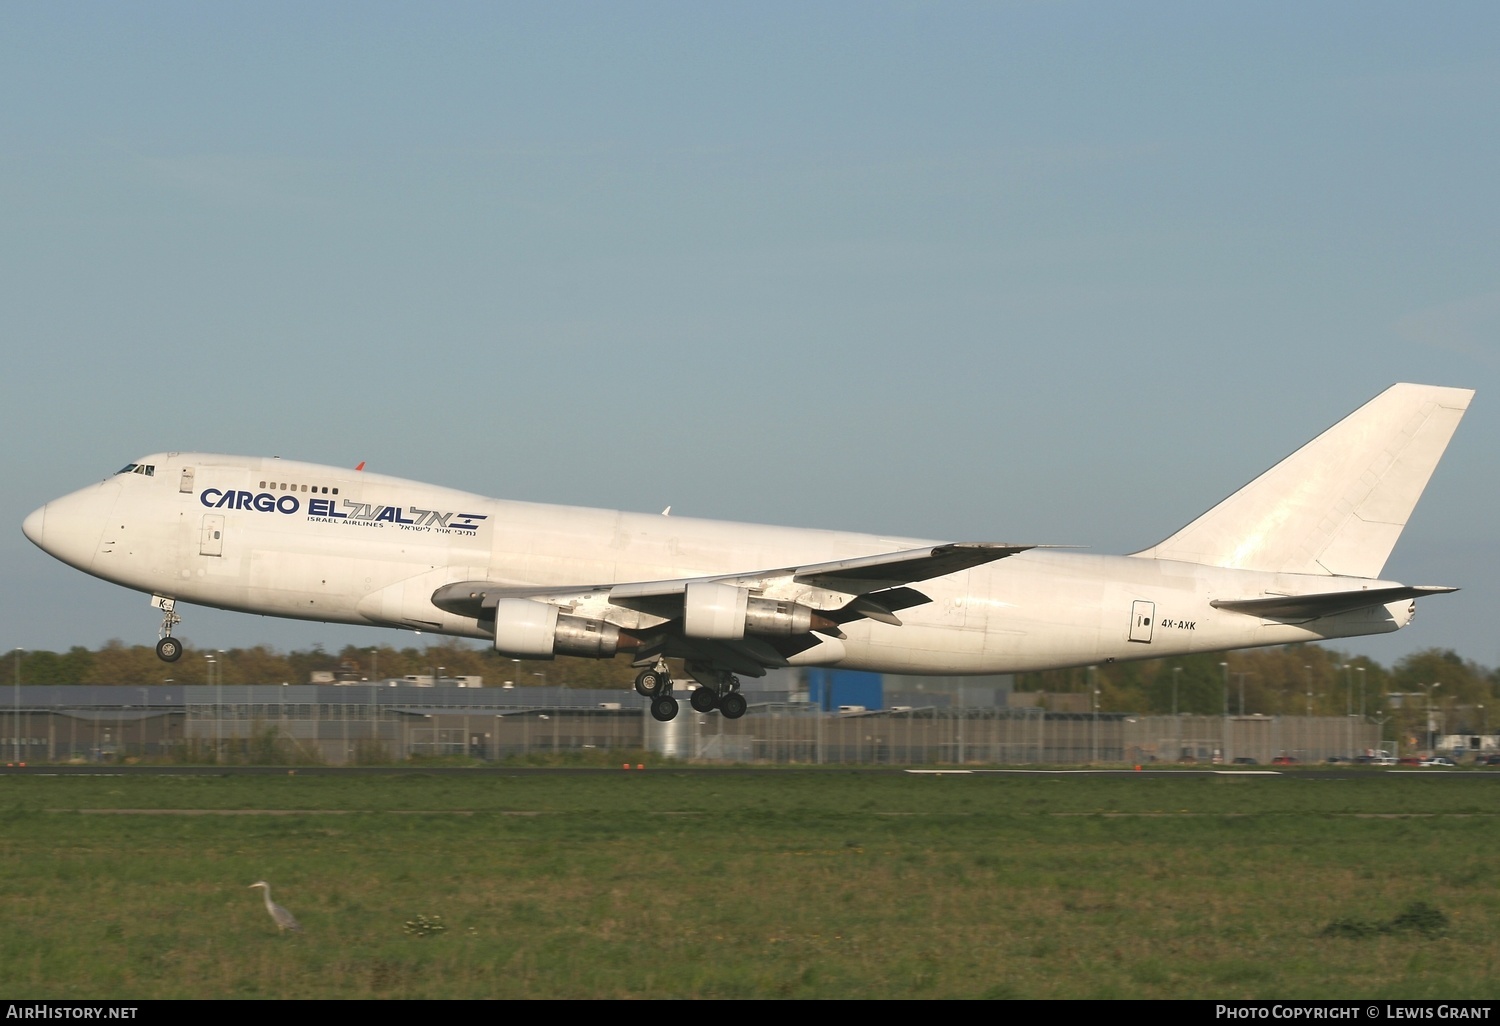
pixel 281 538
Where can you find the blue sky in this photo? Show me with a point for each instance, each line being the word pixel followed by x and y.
pixel 1037 272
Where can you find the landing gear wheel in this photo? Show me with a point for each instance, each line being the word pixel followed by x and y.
pixel 664 708
pixel 650 683
pixel 733 705
pixel 169 650
pixel 703 700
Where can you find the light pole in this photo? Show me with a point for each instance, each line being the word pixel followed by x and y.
pixel 16 725
pixel 1349 711
pixel 1176 721
pixel 1242 674
pixel 1096 724
pixel 219 662
pixel 1224 731
pixel 1430 728
pixel 1361 671
pixel 218 706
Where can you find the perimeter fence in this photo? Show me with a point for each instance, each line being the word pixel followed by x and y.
pixel 374 724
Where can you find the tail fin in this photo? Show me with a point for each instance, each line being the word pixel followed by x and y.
pixel 1338 504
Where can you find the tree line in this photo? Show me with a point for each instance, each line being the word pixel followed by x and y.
pixel 138 666
pixel 1294 680
pixel 1290 680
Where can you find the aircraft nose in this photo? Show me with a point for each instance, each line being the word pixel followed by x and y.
pixel 35 526
pixel 69 528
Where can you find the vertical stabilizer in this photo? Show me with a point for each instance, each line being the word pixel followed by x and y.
pixel 1338 504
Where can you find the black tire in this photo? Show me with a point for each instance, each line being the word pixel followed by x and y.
pixel 648 683
pixel 664 708
pixel 733 705
pixel 703 700
pixel 169 650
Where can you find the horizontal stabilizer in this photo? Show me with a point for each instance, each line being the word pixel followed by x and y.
pixel 1330 603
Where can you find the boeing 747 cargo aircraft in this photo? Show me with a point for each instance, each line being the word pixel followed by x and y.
pixel 1295 555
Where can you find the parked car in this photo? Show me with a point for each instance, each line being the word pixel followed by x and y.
pixel 1488 760
pixel 1440 760
pixel 1245 760
pixel 1283 760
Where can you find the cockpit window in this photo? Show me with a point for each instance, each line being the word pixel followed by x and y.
pixel 128 468
pixel 139 468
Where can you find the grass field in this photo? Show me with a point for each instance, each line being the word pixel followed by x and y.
pixel 792 884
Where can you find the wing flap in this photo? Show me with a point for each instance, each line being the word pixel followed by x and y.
pixel 881 606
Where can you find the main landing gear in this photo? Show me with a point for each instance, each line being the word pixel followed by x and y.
pixel 655 683
pixel 717 690
pixel 168 648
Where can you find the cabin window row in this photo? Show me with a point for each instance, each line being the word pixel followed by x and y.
pixel 284 487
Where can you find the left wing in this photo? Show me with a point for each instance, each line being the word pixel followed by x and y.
pixel 845 578
pixel 741 621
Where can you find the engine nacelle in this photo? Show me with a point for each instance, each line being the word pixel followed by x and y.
pixel 773 616
pixel 724 612
pixel 713 610
pixel 538 630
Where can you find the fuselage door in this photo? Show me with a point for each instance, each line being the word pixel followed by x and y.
pixel 1142 614
pixel 212 542
pixel 186 485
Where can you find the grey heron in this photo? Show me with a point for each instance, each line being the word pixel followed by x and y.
pixel 284 919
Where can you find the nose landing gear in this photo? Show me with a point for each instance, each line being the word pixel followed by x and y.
pixel 168 648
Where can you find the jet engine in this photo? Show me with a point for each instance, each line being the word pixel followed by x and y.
pixel 525 629
pixel 724 612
